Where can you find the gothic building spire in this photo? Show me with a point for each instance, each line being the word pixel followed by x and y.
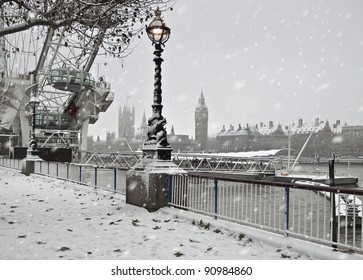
pixel 126 122
pixel 201 123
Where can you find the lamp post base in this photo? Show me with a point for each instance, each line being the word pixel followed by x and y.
pixel 156 152
pixel 28 163
pixel 147 183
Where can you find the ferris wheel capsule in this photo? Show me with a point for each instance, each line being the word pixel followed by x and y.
pixel 71 79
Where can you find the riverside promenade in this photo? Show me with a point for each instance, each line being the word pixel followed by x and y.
pixel 43 218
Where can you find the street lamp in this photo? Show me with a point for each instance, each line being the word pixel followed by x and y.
pixel 157 31
pixel 147 183
pixel 32 151
pixel 156 146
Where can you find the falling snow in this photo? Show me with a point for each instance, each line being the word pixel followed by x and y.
pixel 253 54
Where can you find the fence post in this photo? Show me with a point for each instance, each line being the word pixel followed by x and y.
pixel 215 199
pixel 333 202
pixel 114 179
pixel 96 176
pixel 287 211
pixel 57 171
pixel 67 171
pixel 40 168
pixel 170 189
pixel 80 173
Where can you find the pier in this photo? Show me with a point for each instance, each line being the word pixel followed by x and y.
pixel 265 164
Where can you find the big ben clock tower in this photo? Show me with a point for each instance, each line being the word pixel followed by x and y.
pixel 201 124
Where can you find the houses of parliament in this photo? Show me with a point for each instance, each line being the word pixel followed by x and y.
pixel 326 138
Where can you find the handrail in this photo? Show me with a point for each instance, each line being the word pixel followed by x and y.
pixel 242 179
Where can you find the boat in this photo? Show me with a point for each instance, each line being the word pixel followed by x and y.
pixel 291 175
pixel 348 207
pixel 315 176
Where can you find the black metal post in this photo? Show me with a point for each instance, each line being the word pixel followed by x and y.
pixel 114 180
pixel 156 133
pixel 215 199
pixel 170 189
pixel 287 211
pixel 32 146
pixel 32 151
pixel 156 146
pixel 28 163
pixel 333 203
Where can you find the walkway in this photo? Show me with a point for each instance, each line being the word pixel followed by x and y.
pixel 44 218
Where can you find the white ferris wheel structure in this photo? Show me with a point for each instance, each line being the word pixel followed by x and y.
pixel 56 65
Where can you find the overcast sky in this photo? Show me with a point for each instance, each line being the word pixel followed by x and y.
pixel 255 61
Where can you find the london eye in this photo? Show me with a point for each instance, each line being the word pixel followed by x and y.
pixel 57 64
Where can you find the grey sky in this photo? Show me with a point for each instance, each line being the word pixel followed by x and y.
pixel 256 61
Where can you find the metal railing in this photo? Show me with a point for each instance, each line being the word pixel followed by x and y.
pixel 112 179
pixel 10 162
pixel 295 210
pixel 301 211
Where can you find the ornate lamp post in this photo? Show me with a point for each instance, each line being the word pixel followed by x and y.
pixel 156 146
pixel 147 182
pixel 32 151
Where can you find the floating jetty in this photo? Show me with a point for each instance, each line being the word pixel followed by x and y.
pixel 324 179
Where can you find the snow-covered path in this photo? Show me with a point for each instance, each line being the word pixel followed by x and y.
pixel 44 218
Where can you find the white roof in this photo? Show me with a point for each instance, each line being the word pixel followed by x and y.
pixel 250 154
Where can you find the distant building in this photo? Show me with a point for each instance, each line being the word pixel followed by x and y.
pixel 201 124
pixel 141 135
pixel 351 141
pixel 143 127
pixel 180 142
pixel 126 122
pixel 326 139
pixel 271 136
pixel 232 140
pixel 352 130
pixel 112 144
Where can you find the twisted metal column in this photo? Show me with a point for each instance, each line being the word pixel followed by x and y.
pixel 32 151
pixel 156 132
pixel 32 146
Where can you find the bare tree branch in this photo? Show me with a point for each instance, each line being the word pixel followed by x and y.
pixel 121 20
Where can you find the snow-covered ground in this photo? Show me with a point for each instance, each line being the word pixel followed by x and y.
pixel 45 218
